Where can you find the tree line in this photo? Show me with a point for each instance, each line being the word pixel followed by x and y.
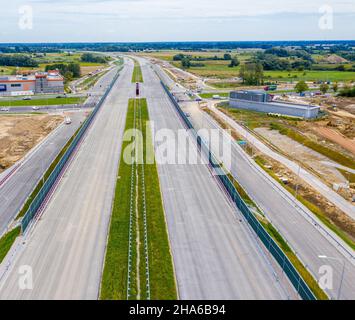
pixel 69 71
pixel 17 61
pixel 89 57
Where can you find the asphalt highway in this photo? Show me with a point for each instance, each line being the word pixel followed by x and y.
pixel 66 247
pixel 15 191
pixel 305 237
pixel 216 255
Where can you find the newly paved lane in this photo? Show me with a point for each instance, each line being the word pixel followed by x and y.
pixel 66 248
pixel 15 191
pixel 305 237
pixel 216 256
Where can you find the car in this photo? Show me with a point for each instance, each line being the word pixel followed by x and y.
pixel 27 98
pixel 198 99
pixel 35 108
pixel 5 109
pixel 67 120
pixel 187 114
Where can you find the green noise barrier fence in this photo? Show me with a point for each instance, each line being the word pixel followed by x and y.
pixel 295 278
pixel 40 198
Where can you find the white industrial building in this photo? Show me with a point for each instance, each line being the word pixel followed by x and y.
pixel 262 102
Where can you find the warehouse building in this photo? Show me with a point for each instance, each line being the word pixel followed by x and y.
pixel 40 82
pixel 262 102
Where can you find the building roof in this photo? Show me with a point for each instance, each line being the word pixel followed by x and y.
pixel 52 75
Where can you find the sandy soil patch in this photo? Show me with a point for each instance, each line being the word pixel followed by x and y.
pixel 303 154
pixel 20 133
pixel 336 137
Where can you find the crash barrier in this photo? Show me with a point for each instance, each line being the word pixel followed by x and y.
pixel 38 201
pixel 295 278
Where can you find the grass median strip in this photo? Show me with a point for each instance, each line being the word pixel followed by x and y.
pixel 142 217
pixel 137 72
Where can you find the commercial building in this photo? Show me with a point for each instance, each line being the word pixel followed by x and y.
pixel 40 82
pixel 262 102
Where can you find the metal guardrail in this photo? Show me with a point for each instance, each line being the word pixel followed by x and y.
pixel 50 182
pixel 295 278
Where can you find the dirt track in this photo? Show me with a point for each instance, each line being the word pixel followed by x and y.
pixel 336 137
pixel 20 133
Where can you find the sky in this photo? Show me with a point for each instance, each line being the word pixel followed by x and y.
pixel 175 20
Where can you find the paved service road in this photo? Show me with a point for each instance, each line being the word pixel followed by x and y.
pixel 66 248
pixel 216 256
pixel 15 191
pixel 304 237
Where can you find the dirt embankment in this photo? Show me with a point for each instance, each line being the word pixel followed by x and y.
pixel 20 133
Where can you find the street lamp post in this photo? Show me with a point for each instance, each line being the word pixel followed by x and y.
pixel 342 272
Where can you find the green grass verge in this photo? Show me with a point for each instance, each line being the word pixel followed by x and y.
pixel 311 206
pixel 137 73
pixel 305 274
pixel 348 175
pixel 91 81
pixel 6 242
pixel 210 95
pixel 46 176
pixel 114 279
pixel 41 102
pixel 331 154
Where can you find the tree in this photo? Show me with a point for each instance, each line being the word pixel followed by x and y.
pixel 234 62
pixel 252 73
pixel 324 88
pixel 227 56
pixel 185 62
pixel 178 57
pixel 17 61
pixel 68 76
pixel 89 57
pixel 340 68
pixel 335 87
pixel 301 87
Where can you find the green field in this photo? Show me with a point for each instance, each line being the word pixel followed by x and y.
pixel 41 102
pixel 310 75
pixel 137 72
pixel 219 69
pixel 161 272
pixel 52 58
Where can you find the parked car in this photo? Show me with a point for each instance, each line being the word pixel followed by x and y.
pixel 35 108
pixel 27 98
pixel 67 120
